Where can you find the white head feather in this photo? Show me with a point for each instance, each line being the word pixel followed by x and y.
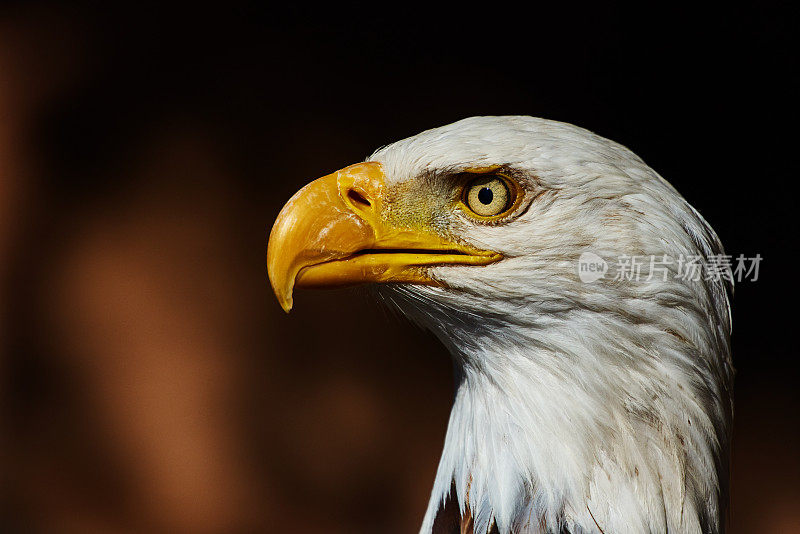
pixel 602 407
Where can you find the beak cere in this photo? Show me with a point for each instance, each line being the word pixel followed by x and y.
pixel 333 233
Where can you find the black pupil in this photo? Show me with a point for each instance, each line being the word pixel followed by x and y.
pixel 485 195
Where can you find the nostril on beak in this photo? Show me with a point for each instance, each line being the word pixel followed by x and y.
pixel 358 198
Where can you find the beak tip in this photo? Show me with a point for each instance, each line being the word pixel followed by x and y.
pixel 283 292
pixel 283 289
pixel 280 279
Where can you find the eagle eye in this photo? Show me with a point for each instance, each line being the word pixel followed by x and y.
pixel 488 196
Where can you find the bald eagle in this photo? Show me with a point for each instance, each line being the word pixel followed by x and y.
pixel 597 404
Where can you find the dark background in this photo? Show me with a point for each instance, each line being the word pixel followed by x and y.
pixel 151 382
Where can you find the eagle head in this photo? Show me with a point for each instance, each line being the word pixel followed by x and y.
pixel 584 404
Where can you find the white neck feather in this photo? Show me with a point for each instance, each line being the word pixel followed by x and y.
pixel 552 429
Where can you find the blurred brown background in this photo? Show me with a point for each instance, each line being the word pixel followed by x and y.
pixel 151 383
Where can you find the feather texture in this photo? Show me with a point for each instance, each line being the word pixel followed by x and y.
pixel 580 407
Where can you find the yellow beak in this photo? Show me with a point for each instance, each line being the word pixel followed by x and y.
pixel 334 232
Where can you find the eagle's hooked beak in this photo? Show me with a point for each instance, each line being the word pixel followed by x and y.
pixel 334 232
